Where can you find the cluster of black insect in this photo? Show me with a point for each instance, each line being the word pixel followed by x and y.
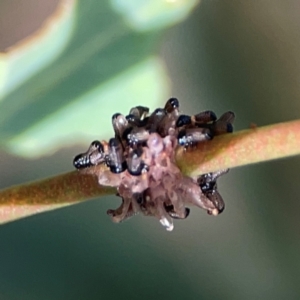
pixel 141 162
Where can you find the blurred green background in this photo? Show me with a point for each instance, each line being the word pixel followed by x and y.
pixel 108 56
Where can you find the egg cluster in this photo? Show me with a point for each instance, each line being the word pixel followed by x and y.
pixel 141 162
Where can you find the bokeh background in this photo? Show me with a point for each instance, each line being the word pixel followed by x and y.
pixel 219 55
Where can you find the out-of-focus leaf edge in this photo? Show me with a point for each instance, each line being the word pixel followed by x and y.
pixel 21 61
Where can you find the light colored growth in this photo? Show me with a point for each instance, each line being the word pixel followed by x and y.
pixel 164 182
pixel 145 172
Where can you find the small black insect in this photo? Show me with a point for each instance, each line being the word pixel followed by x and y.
pixel 93 156
pixel 120 125
pixel 215 197
pixel 140 112
pixel 135 121
pixel 171 105
pixel 137 136
pixel 192 136
pixel 116 160
pixel 223 124
pixel 201 118
pixel 154 119
pixel 135 163
pixel 208 185
pixel 208 119
pixel 183 120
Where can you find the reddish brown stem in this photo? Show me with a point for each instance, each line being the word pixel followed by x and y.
pixel 226 151
pixel 55 192
pixel 241 148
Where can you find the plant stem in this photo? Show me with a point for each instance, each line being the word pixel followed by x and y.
pixel 48 194
pixel 241 148
pixel 225 151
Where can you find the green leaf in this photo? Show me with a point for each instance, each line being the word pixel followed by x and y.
pixel 143 15
pixel 89 64
pixel 29 56
pixel 88 116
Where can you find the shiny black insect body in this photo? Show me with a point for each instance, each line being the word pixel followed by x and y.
pixel 154 119
pixel 137 136
pixel 116 160
pixel 222 125
pixel 135 163
pixel 120 125
pixel 208 185
pixel 208 119
pixel 192 136
pixel 171 105
pixel 137 116
pixel 94 156
pixel 167 119
pixel 196 120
